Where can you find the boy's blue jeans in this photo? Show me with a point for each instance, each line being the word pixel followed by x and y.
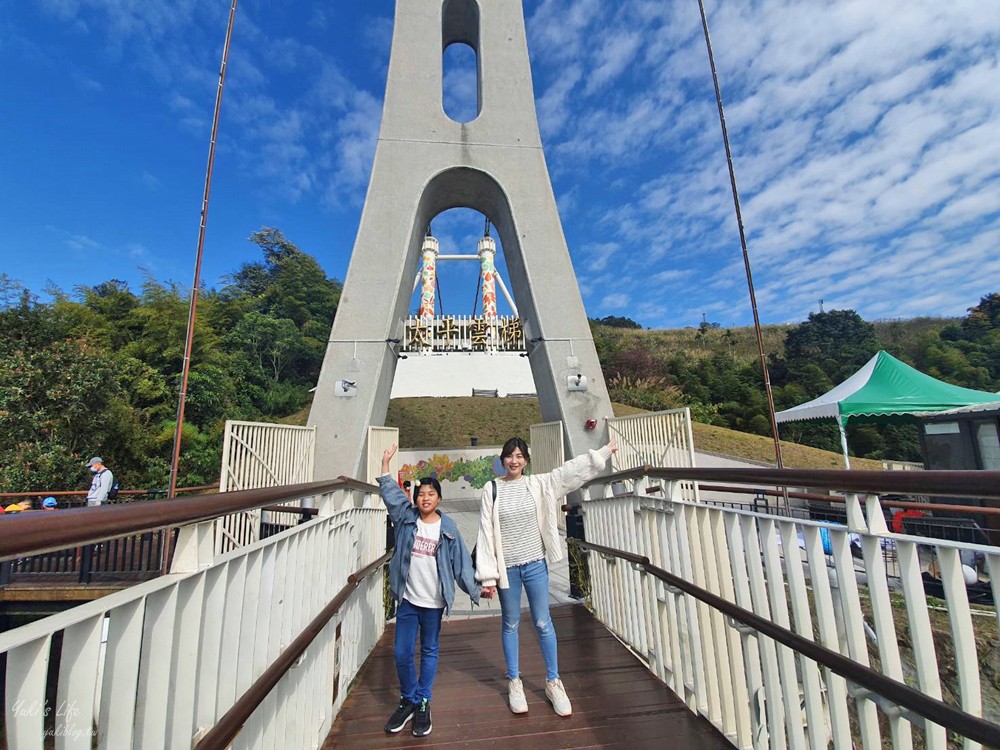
pixel 534 577
pixel 409 618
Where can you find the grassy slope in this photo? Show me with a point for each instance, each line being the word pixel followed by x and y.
pixel 738 343
pixel 451 422
pixel 899 336
pixel 447 422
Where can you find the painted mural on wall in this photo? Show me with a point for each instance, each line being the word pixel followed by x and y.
pixel 474 472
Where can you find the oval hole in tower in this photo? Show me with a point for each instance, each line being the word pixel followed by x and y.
pixel 460 92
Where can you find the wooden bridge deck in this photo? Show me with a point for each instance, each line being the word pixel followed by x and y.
pixel 616 701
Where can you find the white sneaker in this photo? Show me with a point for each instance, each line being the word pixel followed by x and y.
pixel 515 696
pixel 556 694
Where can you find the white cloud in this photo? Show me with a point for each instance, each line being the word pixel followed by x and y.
pixel 82 242
pixel 863 136
pixel 616 51
pixel 461 83
pixel 149 181
pixel 614 302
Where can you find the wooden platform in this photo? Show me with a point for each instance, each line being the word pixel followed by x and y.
pixel 616 701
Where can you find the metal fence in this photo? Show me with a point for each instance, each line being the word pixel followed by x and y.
pixel 826 582
pixel 160 663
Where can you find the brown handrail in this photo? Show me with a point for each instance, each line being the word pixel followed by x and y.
pixel 291 509
pixel 947 716
pixel 773 493
pixel 219 736
pixel 37 532
pixel 979 484
pixel 77 493
pixel 980 510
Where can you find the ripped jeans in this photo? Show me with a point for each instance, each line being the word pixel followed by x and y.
pixel 534 576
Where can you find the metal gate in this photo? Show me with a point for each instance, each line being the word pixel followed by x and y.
pixel 546 441
pixel 380 438
pixel 662 438
pixel 254 455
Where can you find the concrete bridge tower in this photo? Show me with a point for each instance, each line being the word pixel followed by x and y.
pixel 426 163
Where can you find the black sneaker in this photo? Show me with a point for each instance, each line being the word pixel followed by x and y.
pixel 422 719
pixel 402 714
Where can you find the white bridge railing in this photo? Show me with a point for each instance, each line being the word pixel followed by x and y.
pixel 827 583
pixel 158 664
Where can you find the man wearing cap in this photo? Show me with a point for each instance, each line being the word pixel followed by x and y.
pixel 102 482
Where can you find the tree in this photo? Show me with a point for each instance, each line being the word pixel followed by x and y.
pixel 57 403
pixel 287 284
pixel 972 348
pixel 838 342
pixel 12 292
pixel 159 326
pixel 97 373
pixel 615 321
pixel 271 344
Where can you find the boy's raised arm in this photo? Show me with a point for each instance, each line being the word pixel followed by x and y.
pixel 396 501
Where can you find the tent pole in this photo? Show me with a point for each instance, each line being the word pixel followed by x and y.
pixel 843 442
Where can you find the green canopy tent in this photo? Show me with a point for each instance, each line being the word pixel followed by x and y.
pixel 884 390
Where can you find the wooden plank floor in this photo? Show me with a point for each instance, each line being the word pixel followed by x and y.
pixel 616 701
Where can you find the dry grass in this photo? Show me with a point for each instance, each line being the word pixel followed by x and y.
pixel 452 422
pixel 712 439
pixel 738 343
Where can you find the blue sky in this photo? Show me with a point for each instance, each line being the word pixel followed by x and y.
pixel 865 138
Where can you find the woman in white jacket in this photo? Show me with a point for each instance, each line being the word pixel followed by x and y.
pixel 518 537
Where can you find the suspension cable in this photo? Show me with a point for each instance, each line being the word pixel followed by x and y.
pixel 192 308
pixel 743 245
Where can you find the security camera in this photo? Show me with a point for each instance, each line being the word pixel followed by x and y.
pixel 345 389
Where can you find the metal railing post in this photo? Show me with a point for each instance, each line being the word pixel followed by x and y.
pixel 390 543
pixel 579 571
pixel 86 562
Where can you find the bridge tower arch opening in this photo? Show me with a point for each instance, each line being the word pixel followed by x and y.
pixel 426 163
pixel 460 28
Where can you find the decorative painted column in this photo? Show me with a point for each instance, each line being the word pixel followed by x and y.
pixel 487 254
pixel 428 276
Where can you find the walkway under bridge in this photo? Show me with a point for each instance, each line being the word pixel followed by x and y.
pixel 769 630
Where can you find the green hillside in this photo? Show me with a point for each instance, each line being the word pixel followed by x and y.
pixel 259 344
pixel 716 371
pixel 901 337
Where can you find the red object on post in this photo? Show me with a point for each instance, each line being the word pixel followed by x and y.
pixel 590 424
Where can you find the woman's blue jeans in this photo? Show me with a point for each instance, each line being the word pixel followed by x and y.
pixel 408 618
pixel 534 577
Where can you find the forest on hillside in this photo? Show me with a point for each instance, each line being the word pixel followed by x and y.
pixel 717 372
pixel 96 371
